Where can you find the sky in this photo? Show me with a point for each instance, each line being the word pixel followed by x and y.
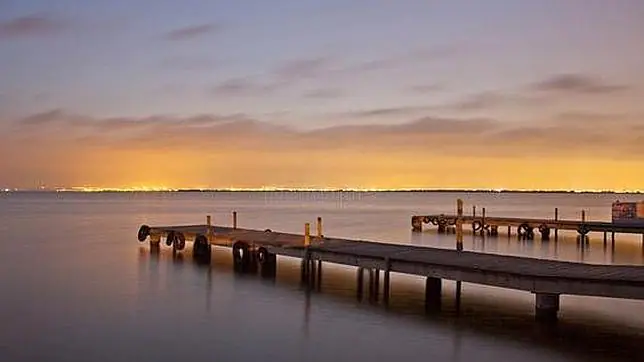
pixel 497 94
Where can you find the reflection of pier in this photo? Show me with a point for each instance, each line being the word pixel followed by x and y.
pixel 256 250
pixel 525 227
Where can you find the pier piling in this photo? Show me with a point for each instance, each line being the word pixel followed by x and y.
pixel 386 286
pixel 556 227
pixel 459 224
pixel 433 293
pixel 546 306
pixel 360 283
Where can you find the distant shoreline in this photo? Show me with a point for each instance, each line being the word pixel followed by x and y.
pixel 334 191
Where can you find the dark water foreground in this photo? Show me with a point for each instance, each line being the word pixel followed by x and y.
pixel 76 286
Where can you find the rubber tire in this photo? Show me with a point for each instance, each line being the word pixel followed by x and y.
pixel 144 232
pixel 170 238
pixel 262 255
pixel 179 242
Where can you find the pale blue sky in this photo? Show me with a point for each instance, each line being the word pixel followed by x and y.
pixel 316 63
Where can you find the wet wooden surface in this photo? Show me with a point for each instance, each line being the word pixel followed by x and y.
pixel 465 260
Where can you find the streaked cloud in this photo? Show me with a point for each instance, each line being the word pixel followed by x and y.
pixel 324 93
pixel 303 68
pixel 245 87
pixel 190 32
pixel 31 26
pixel 426 88
pixel 572 83
pixel 243 151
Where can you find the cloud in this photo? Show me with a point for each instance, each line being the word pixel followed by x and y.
pixel 324 93
pixel 241 151
pixel 385 112
pixel 426 88
pixel 192 62
pixel 245 87
pixel 31 26
pixel 190 32
pixel 493 99
pixel 576 84
pixel 303 68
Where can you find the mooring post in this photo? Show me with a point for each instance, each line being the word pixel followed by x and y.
pixel 209 227
pixel 459 225
pixel 234 219
pixel 319 227
pixel 307 234
pixel 483 223
pixel 385 287
pixel 556 226
pixel 546 306
pixel 509 231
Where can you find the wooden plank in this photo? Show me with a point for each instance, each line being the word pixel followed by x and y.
pixel 420 254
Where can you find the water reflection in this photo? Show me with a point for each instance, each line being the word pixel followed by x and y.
pixel 485 312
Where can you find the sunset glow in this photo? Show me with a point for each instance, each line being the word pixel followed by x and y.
pixel 517 95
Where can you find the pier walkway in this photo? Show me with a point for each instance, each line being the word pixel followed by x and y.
pixel 547 279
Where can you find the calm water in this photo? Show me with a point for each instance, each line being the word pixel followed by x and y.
pixel 77 286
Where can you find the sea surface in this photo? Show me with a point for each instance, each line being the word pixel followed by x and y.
pixel 76 285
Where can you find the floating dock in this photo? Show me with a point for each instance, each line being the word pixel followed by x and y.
pixel 257 250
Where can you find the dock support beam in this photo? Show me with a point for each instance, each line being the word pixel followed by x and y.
pixel 459 225
pixel 360 282
pixel 433 289
pixel 318 283
pixel 234 219
pixel 386 286
pixel 556 228
pixel 546 306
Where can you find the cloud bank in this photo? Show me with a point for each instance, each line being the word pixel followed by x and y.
pixel 236 150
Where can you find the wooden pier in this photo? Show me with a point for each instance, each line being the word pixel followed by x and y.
pixel 525 227
pixel 257 251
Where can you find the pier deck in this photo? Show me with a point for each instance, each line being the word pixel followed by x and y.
pixel 546 278
pixel 524 226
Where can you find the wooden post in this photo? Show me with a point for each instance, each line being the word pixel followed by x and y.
pixel 473 217
pixel 234 219
pixel 360 281
pixel 556 228
pixel 307 234
pixel 483 223
pixel 458 296
pixel 459 225
pixel 376 285
pixel 319 281
pixel 583 215
pixel 209 226
pixel 371 285
pixel 385 287
pixel 319 227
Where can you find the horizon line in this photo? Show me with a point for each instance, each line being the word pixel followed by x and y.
pixel 305 189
